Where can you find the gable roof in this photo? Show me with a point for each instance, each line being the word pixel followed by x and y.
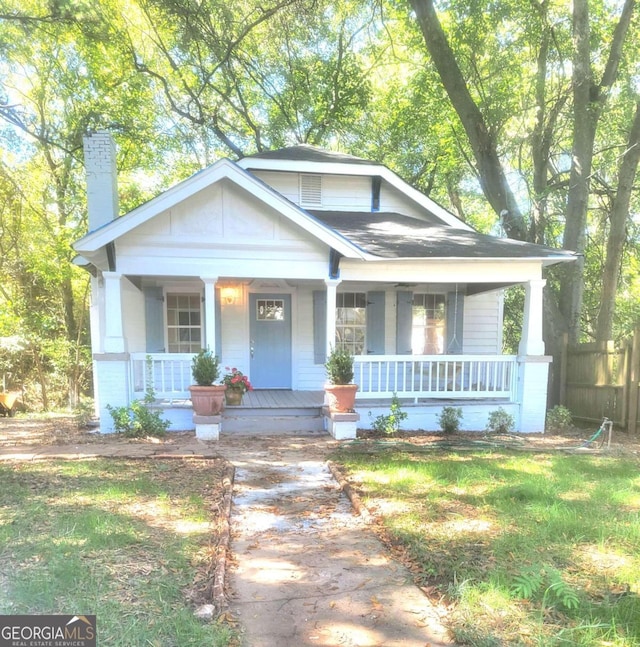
pixel 396 236
pixel 223 169
pixel 311 159
pixel 308 153
pixel 359 235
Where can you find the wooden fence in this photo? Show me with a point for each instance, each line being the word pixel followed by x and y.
pixel 601 380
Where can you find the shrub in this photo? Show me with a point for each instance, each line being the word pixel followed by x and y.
pixel 390 424
pixel 339 366
pixel 205 368
pixel 137 421
pixel 500 422
pixel 449 419
pixel 558 419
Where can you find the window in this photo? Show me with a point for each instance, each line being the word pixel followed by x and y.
pixel 428 319
pixel 270 309
pixel 351 321
pixel 310 190
pixel 184 328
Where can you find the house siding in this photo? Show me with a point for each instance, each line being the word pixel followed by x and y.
pixel 307 375
pixel 482 324
pixel 133 324
pixel 222 231
pixel 339 192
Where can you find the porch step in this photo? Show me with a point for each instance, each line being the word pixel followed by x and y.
pixel 272 411
pixel 260 421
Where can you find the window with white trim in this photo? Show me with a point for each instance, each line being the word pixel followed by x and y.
pixel 351 321
pixel 184 323
pixel 428 324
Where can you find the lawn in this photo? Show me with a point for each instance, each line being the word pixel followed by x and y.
pixel 130 541
pixel 528 549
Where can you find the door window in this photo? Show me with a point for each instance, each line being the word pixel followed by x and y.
pixel 270 309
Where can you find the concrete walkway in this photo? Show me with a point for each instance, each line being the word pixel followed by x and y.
pixel 305 570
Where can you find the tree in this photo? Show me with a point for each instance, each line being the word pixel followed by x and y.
pixel 546 72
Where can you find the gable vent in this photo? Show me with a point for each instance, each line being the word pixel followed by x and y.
pixel 311 190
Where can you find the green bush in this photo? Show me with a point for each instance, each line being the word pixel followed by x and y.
pixel 390 424
pixel 559 418
pixel 449 419
pixel 137 421
pixel 339 366
pixel 500 422
pixel 205 368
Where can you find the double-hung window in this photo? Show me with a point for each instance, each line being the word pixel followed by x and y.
pixel 351 321
pixel 184 323
pixel 428 324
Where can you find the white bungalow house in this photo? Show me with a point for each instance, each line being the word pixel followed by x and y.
pixel 273 260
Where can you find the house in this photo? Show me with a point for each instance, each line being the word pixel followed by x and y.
pixel 272 260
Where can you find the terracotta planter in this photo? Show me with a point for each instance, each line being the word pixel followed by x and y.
pixel 234 396
pixel 207 400
pixel 341 397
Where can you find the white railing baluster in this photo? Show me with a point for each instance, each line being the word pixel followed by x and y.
pixel 379 376
pixel 433 376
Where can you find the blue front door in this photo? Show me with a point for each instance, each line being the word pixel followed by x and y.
pixel 270 328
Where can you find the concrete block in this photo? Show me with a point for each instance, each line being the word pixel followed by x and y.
pixel 207 427
pixel 342 426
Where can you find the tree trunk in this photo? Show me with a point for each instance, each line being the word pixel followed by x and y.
pixel 617 234
pixel 589 100
pixel 483 143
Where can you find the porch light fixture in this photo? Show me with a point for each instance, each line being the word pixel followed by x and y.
pixel 229 295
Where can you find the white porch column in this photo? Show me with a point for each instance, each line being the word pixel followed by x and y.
pixel 531 342
pixel 113 333
pixel 533 366
pixel 332 286
pixel 210 322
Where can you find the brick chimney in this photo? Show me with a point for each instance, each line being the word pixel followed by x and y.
pixel 102 184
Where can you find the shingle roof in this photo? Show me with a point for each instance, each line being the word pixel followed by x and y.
pixel 307 153
pixel 393 235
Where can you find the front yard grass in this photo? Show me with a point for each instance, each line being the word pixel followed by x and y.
pixel 528 549
pixel 130 541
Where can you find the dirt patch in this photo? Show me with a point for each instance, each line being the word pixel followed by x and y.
pixel 65 430
pixel 574 439
pixel 55 429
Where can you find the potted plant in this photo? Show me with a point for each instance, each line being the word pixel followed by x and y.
pixel 207 398
pixel 340 391
pixel 237 384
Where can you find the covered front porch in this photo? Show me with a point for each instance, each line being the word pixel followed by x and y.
pixel 277 411
pixel 423 384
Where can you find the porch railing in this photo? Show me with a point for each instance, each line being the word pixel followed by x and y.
pixel 436 376
pixel 168 373
pixel 378 376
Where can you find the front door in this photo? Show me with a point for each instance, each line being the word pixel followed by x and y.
pixel 270 328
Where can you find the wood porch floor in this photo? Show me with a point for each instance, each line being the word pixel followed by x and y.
pixel 281 399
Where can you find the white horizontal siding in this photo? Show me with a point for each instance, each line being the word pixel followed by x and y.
pixel 339 192
pixel 307 376
pixel 346 193
pixel 133 322
pixel 285 183
pixel 391 199
pixel 482 332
